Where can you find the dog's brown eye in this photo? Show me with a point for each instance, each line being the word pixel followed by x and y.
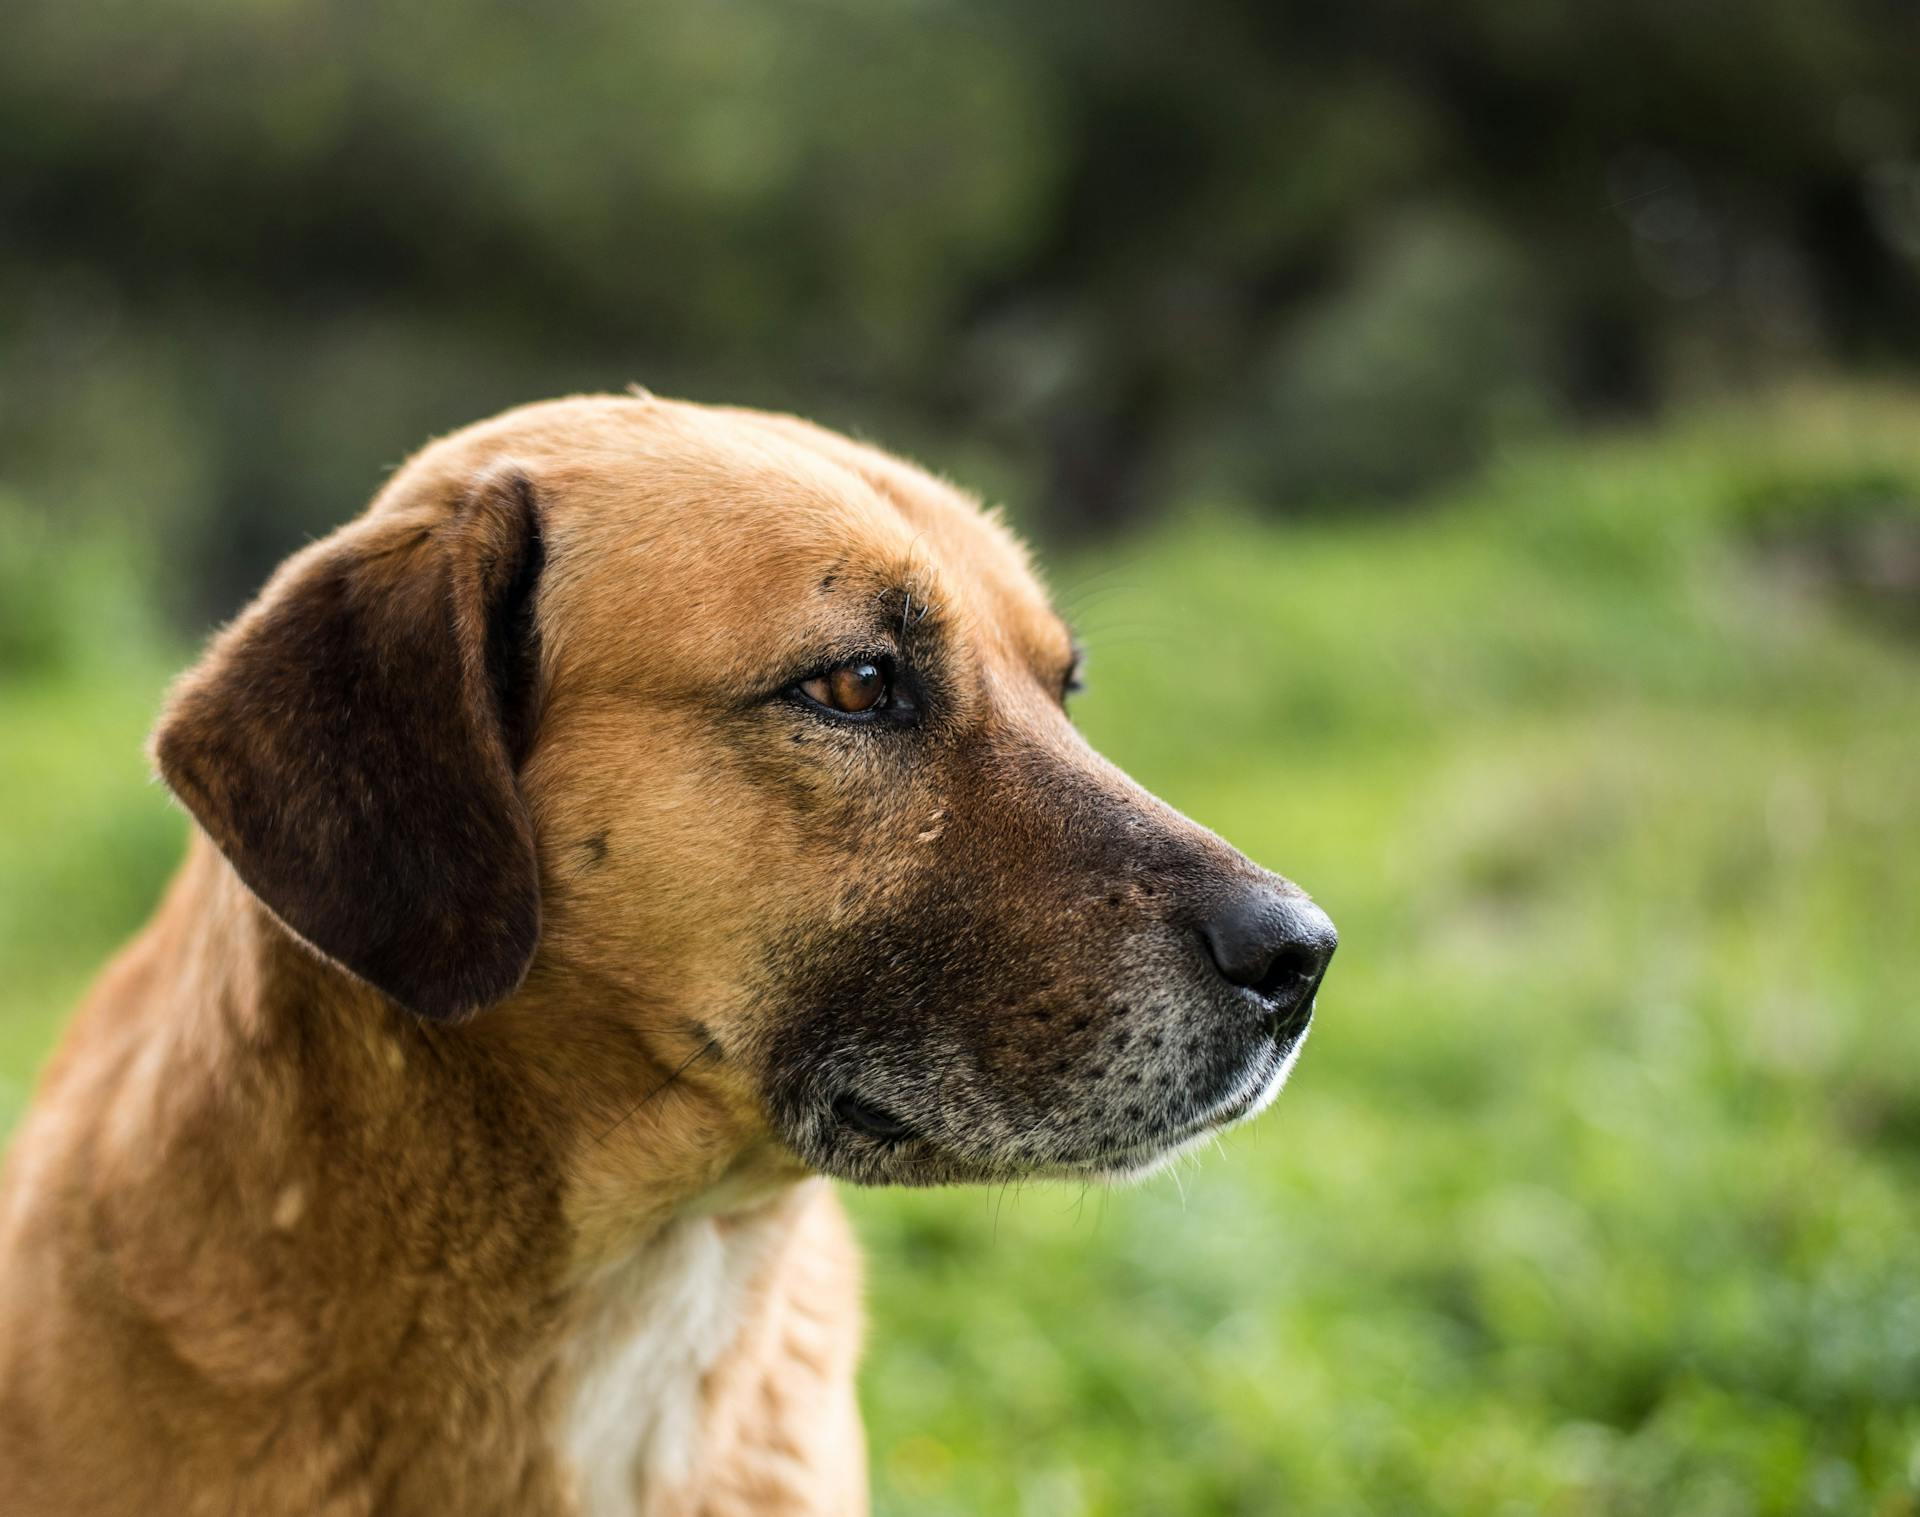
pixel 856 686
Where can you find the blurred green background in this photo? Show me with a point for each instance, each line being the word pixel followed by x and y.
pixel 1480 444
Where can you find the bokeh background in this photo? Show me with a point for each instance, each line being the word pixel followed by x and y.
pixel 1480 445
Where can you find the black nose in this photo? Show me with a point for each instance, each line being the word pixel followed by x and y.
pixel 1275 945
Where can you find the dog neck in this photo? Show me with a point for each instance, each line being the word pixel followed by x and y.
pixel 394 1206
pixel 556 1094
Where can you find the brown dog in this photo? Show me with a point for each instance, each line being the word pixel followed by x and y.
pixel 643 810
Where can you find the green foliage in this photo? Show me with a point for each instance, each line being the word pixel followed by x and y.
pixel 1437 341
pixel 1594 1193
pixel 66 599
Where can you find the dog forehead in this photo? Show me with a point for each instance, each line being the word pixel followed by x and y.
pixel 678 527
pixel 953 545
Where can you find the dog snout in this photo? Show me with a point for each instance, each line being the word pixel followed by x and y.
pixel 1262 939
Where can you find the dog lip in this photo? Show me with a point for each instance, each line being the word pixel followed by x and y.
pixel 866 1118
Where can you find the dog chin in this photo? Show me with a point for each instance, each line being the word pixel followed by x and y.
pixel 1260 1088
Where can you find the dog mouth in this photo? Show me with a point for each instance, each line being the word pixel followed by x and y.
pixel 872 1121
pixel 903 1141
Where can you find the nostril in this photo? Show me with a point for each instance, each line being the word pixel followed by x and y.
pixel 1273 944
pixel 1294 967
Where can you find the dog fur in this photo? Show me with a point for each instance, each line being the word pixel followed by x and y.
pixel 452 1139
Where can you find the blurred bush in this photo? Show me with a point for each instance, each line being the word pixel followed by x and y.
pixel 68 602
pixel 1431 355
pixel 1093 256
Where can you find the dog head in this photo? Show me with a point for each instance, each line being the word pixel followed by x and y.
pixel 754 739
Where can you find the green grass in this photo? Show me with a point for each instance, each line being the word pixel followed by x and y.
pixel 1598 1190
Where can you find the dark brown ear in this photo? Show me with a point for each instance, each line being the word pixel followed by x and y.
pixel 350 744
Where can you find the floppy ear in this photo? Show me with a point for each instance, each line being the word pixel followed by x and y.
pixel 350 744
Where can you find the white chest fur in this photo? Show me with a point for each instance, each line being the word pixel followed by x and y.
pixel 633 1423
